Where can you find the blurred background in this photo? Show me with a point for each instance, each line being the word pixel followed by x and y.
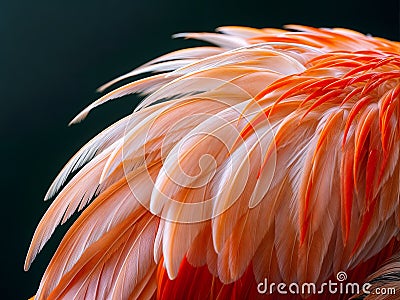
pixel 54 54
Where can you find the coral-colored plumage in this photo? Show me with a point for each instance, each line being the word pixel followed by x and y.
pixel 274 154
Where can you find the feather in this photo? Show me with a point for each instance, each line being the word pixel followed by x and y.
pixel 240 31
pixel 273 154
pixel 66 203
pixel 223 41
pixel 190 53
pixel 93 148
pixel 112 207
pixel 144 85
pixel 113 259
pixel 157 67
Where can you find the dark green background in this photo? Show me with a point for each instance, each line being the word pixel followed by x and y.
pixel 55 54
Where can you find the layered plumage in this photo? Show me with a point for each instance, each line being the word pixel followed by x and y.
pixel 273 154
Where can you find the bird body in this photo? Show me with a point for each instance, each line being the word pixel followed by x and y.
pixel 273 155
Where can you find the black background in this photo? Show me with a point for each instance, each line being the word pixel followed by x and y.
pixel 54 54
